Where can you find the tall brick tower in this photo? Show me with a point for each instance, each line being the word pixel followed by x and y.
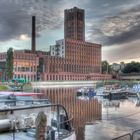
pixel 74 24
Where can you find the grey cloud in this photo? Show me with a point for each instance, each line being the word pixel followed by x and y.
pixel 123 28
pixel 15 17
pixel 122 52
pixel 124 37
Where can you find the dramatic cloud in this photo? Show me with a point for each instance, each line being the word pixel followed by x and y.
pixel 114 24
pixel 123 28
pixel 15 17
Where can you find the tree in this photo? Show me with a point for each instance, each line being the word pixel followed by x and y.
pixel 133 67
pixel 41 64
pixel 106 68
pixel 9 63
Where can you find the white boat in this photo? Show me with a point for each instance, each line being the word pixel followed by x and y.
pixel 18 119
pixel 138 94
pixel 136 90
pixel 86 93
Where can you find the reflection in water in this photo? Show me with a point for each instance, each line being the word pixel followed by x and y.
pixel 115 103
pixel 118 117
pixel 82 111
pixel 138 102
pixel 116 121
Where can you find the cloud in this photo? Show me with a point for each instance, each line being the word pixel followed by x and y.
pixel 15 17
pixel 124 52
pixel 119 29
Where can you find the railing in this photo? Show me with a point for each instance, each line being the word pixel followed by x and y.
pixel 134 136
pixel 14 102
pixel 61 123
pixel 123 137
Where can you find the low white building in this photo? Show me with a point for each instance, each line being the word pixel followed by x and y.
pixel 58 49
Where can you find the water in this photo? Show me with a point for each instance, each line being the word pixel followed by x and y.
pixel 96 119
pixel 116 121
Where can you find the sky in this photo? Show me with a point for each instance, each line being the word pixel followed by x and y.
pixel 113 23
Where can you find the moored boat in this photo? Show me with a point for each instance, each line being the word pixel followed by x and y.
pixel 19 115
pixel 135 90
pixel 112 92
pixel 86 93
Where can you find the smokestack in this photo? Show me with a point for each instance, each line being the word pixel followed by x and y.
pixel 33 35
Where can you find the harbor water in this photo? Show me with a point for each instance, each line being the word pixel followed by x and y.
pixel 97 118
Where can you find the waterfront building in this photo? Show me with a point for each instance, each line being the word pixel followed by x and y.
pixel 25 64
pixel 84 57
pixel 71 58
pixel 81 60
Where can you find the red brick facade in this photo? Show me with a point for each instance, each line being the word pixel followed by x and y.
pixel 78 65
pixel 82 62
pixel 74 24
pixel 84 57
pixel 25 64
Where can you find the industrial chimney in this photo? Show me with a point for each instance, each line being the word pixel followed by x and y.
pixel 33 34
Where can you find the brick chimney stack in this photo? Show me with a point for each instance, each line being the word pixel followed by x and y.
pixel 33 34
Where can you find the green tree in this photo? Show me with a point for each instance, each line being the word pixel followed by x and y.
pixel 106 68
pixel 9 63
pixel 41 63
pixel 133 67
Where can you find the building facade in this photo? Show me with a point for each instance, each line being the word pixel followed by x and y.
pixel 83 57
pixel 71 58
pixel 25 64
pixel 74 24
pixel 82 62
pixel 58 49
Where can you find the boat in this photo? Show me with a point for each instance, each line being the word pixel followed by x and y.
pixel 20 93
pixel 19 117
pixel 112 92
pixel 135 90
pixel 86 93
pixel 115 95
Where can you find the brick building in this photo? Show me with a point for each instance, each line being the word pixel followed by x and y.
pixel 69 59
pixel 84 57
pixel 25 64
pixel 74 24
pixel 82 62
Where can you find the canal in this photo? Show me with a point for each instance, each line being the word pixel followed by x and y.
pixel 97 118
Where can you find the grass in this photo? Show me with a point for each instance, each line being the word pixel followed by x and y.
pixel 3 88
